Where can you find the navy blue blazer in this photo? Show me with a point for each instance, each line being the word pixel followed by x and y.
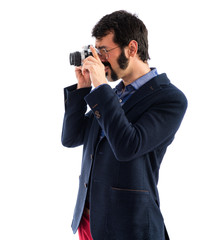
pixel 121 169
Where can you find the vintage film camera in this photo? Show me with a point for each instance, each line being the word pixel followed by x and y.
pixel 76 58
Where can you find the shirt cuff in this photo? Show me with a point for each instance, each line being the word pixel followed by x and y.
pixel 99 87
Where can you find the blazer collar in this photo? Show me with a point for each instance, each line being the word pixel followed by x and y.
pixel 147 89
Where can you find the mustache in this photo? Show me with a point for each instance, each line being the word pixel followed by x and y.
pixel 106 64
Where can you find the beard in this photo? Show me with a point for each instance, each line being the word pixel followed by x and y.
pixel 123 64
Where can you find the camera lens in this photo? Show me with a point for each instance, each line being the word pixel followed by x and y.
pixel 75 58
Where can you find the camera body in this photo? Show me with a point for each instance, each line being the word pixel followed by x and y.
pixel 76 58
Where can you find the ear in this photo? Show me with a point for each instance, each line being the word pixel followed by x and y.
pixel 132 48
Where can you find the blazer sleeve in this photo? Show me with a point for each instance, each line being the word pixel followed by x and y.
pixel 153 128
pixel 75 120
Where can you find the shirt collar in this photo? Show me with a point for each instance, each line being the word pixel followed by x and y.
pixel 144 79
pixel 138 82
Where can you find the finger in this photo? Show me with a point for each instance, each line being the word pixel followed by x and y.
pixel 85 68
pixel 78 69
pixel 94 52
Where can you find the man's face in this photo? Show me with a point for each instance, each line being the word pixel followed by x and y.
pixel 114 58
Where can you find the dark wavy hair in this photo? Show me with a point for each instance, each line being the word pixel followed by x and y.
pixel 126 27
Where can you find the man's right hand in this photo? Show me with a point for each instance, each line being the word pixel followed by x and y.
pixel 83 79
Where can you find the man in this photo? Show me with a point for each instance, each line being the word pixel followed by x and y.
pixel 125 134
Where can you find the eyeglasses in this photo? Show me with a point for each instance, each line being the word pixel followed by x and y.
pixel 104 53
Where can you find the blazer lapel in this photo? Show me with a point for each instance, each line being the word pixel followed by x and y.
pixel 147 89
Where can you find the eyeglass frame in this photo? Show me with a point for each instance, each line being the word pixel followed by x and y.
pixel 105 51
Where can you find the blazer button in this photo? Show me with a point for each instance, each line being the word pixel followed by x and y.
pixel 86 185
pixel 97 114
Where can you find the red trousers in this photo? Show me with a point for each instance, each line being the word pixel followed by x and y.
pixel 84 228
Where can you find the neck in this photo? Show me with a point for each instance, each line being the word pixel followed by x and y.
pixel 137 70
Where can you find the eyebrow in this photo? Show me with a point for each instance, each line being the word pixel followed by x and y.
pixel 101 47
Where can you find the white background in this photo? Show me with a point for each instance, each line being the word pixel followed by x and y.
pixel 38 176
